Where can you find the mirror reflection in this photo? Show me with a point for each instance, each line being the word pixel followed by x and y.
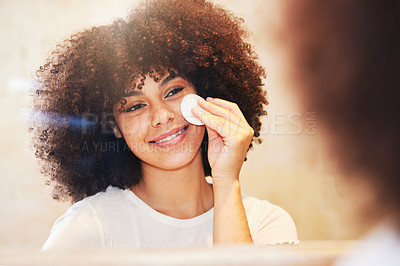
pixel 138 88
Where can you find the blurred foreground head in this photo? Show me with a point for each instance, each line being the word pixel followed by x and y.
pixel 345 57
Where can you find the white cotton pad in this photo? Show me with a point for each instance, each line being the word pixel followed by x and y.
pixel 188 102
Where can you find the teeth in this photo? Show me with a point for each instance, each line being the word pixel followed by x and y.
pixel 171 137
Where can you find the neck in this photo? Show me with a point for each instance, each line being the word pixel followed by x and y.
pixel 180 193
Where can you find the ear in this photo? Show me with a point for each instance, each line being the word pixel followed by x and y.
pixel 117 131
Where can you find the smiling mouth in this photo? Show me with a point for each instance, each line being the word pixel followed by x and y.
pixel 170 137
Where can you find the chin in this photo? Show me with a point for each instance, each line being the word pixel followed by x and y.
pixel 173 161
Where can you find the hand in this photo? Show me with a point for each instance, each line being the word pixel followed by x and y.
pixel 229 136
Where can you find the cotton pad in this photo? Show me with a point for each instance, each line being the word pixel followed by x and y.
pixel 188 102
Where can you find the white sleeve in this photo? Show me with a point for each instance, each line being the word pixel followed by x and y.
pixel 78 228
pixel 270 224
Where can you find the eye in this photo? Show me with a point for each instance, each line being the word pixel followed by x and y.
pixel 135 107
pixel 174 91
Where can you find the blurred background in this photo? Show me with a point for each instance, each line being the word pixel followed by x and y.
pixel 287 169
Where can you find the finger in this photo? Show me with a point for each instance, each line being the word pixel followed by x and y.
pixel 219 111
pixel 219 124
pixel 232 107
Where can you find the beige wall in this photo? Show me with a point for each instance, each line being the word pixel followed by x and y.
pixel 285 169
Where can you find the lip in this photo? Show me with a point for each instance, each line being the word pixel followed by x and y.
pixel 168 133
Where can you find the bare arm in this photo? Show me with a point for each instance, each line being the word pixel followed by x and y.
pixel 229 137
pixel 230 222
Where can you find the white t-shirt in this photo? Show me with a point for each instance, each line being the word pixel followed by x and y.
pixel 117 218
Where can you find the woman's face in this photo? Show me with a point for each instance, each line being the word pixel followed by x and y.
pixel 152 124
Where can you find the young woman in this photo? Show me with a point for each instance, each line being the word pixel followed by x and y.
pixel 112 137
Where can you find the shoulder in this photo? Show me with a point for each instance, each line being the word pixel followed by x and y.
pixel 113 199
pixel 82 224
pixel 269 224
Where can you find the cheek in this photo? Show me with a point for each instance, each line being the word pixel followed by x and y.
pixel 133 128
pixel 198 132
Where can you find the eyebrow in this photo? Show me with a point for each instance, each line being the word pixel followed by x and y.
pixel 162 83
pixel 134 93
pixel 169 78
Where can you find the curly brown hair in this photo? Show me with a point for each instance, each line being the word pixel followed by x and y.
pixel 96 68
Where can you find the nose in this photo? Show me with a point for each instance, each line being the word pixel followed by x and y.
pixel 162 114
